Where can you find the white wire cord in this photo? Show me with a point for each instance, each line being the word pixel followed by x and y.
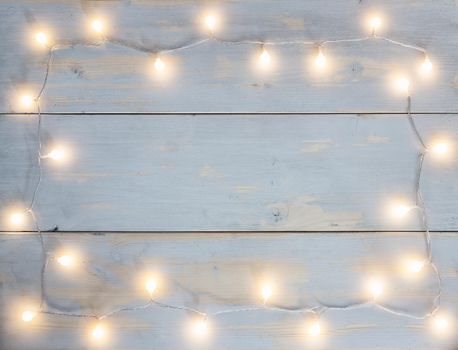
pixel 318 310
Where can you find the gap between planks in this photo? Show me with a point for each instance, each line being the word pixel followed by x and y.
pixel 235 232
pixel 224 113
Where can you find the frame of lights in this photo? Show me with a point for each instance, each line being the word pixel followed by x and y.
pixel 200 327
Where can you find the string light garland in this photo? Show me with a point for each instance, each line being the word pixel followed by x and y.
pixel 200 327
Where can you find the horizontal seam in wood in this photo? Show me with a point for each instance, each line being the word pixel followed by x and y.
pixel 224 113
pixel 225 232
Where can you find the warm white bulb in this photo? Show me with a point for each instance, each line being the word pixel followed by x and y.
pixel 41 38
pixel 320 60
pixel 28 316
pixel 376 288
pixel 210 22
pixel 427 65
pixel 159 65
pixel 151 285
pixel 315 329
pixel 403 85
pixel 440 148
pixel 27 100
pixel 264 57
pixel 375 23
pixel 200 328
pixel 17 218
pixel 56 154
pixel 441 324
pixel 98 332
pixel 97 25
pixel 399 210
pixel 266 292
pixel 414 266
pixel 66 260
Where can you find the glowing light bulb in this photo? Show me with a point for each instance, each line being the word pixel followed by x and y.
pixel 159 65
pixel 376 288
pixel 264 57
pixel 97 25
pixel 41 38
pixel 427 65
pixel 441 324
pixel 56 154
pixel 28 316
pixel 66 260
pixel 266 292
pixel 414 266
pixel 98 332
pixel 399 210
pixel 375 23
pixel 440 148
pixel 403 85
pixel 17 219
pixel 27 100
pixel 320 60
pixel 151 285
pixel 210 22
pixel 315 329
pixel 200 328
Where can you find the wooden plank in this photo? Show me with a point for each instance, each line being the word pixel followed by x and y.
pixel 217 77
pixel 206 172
pixel 213 272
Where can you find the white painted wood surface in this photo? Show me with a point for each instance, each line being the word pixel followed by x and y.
pixel 219 271
pixel 237 172
pixel 216 77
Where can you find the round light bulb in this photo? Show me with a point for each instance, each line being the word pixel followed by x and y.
pixel 17 218
pixel 376 288
pixel 98 332
pixel 414 266
pixel 28 316
pixel 375 23
pixel 320 60
pixel 41 38
pixel 56 154
pixel 441 324
pixel 97 25
pixel 427 65
pixel 403 85
pixel 66 260
pixel 200 328
pixel 400 210
pixel 27 100
pixel 159 65
pixel 266 292
pixel 264 57
pixel 151 285
pixel 315 329
pixel 440 148
pixel 210 22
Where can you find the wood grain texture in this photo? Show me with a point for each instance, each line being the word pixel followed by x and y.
pixel 331 173
pixel 213 272
pixel 215 77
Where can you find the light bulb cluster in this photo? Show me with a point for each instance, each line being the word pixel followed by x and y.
pixel 211 22
pixel 200 327
pixel 376 286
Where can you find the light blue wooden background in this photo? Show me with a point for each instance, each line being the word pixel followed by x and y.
pixel 331 174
